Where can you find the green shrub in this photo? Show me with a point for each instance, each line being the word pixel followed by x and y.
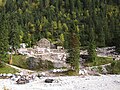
pixel 103 60
pixel 71 73
pixel 114 68
pixel 99 61
pixel 100 69
pixel 49 64
pixel 1 65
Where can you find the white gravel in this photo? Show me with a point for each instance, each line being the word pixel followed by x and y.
pixel 104 82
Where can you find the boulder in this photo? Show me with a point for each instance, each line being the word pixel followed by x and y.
pixel 22 81
pixel 39 64
pixel 49 80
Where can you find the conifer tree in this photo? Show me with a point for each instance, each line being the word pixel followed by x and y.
pixel 3 36
pixel 117 34
pixel 74 49
pixel 14 35
pixel 92 46
pixel 71 6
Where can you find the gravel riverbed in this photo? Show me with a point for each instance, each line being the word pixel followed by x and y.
pixel 103 82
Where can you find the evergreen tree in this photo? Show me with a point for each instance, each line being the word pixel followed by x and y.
pixel 67 5
pixel 3 36
pixel 92 46
pixel 50 19
pixel 14 35
pixel 65 29
pixel 74 50
pixel 71 6
pixel 117 34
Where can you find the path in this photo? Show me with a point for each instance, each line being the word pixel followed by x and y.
pixel 20 69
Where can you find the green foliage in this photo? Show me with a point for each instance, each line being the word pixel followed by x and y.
pixel 1 65
pixel 99 61
pixel 62 38
pixel 100 69
pixel 3 36
pixel 7 69
pixel 14 36
pixel 17 60
pixel 2 3
pixel 117 35
pixel 37 18
pixel 71 73
pixel 30 20
pixel 74 51
pixel 22 62
pixel 114 68
pixel 92 47
pixel 103 60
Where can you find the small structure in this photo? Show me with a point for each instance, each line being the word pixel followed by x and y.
pixel 46 51
pixel 23 51
pixel 23 45
pixel 43 43
pixel 60 47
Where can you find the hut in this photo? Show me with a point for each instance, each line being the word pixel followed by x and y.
pixel 43 43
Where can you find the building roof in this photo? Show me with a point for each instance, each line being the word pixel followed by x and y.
pixel 43 43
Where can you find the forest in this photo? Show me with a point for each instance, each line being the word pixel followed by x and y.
pixel 91 23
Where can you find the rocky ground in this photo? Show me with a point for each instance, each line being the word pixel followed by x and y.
pixel 103 82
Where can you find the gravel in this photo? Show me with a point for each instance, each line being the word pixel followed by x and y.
pixel 103 82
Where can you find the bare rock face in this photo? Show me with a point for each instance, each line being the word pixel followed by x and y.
pixel 32 63
pixel 38 64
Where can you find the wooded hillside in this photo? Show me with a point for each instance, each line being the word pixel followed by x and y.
pixel 30 20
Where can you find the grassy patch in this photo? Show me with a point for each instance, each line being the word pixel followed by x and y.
pixel 100 69
pixel 36 64
pixel 71 73
pixel 99 61
pixel 17 60
pixel 114 68
pixel 7 69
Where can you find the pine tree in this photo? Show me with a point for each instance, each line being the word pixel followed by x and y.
pixel 67 5
pixel 71 6
pixel 117 34
pixel 14 35
pixel 74 50
pixel 101 38
pixel 92 46
pixel 57 6
pixel 3 36
pixel 65 29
